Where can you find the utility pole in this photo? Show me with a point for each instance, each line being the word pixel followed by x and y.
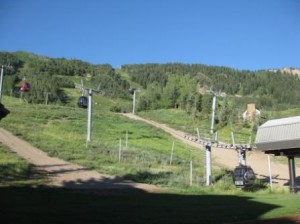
pixel 89 106
pixel 46 93
pixel 133 103
pixel 3 111
pixel 209 139
pixel 89 111
pixel 133 92
pixel 213 114
pixel 1 80
pixel 89 120
pixel 215 94
pixel 208 163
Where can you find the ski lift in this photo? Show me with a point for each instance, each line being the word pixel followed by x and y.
pixel 83 102
pixel 243 176
pixel 25 86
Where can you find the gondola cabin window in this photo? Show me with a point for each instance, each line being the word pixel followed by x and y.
pixel 243 176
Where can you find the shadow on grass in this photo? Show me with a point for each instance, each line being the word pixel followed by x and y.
pixel 11 172
pixel 148 177
pixel 116 200
pixel 111 201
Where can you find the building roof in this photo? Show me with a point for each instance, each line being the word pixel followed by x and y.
pixel 279 134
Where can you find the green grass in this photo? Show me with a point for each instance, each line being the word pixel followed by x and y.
pixel 176 118
pixel 12 167
pixel 24 199
pixel 39 205
pixel 180 120
pixel 60 131
pixel 285 113
pixel 15 171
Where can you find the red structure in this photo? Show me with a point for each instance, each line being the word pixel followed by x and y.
pixel 25 86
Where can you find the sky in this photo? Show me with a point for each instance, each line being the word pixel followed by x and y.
pixel 241 34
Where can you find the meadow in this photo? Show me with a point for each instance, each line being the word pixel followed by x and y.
pixel 145 151
pixel 24 198
pixel 61 132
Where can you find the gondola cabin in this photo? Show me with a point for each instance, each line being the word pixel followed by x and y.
pixel 25 86
pixel 243 176
pixel 83 102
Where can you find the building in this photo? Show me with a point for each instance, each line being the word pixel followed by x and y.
pixel 251 113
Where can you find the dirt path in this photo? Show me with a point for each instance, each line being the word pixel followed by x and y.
pixel 65 174
pixel 228 157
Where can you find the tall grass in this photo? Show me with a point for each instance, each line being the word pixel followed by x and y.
pixel 61 132
pixel 11 166
pixel 15 171
pixel 180 120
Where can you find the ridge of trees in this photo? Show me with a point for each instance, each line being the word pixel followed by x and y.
pixel 170 85
pixel 267 89
pixel 45 75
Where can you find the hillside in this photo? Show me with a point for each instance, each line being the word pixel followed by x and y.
pixel 65 174
pixel 183 87
pixel 150 149
pixel 288 70
pixel 180 86
pixel 171 85
pixel 227 158
pixel 132 150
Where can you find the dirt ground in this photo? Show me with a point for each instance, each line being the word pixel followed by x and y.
pixel 65 174
pixel 69 175
pixel 229 159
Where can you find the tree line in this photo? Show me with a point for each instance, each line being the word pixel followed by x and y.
pixel 170 85
pixel 48 76
pixel 267 89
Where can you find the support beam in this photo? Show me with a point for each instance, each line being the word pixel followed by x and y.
pixel 208 164
pixel 1 80
pixel 291 160
pixel 89 120
pixel 213 114
pixel 242 156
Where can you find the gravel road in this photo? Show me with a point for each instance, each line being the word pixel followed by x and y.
pixel 65 174
pixel 73 176
pixel 228 158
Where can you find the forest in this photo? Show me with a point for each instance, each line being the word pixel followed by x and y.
pixel 267 88
pixel 173 85
pixel 49 75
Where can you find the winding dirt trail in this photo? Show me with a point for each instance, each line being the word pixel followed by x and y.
pixel 65 174
pixel 73 176
pixel 228 157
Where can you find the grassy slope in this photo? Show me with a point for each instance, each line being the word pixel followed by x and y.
pixel 21 203
pixel 15 171
pixel 61 132
pixel 180 120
